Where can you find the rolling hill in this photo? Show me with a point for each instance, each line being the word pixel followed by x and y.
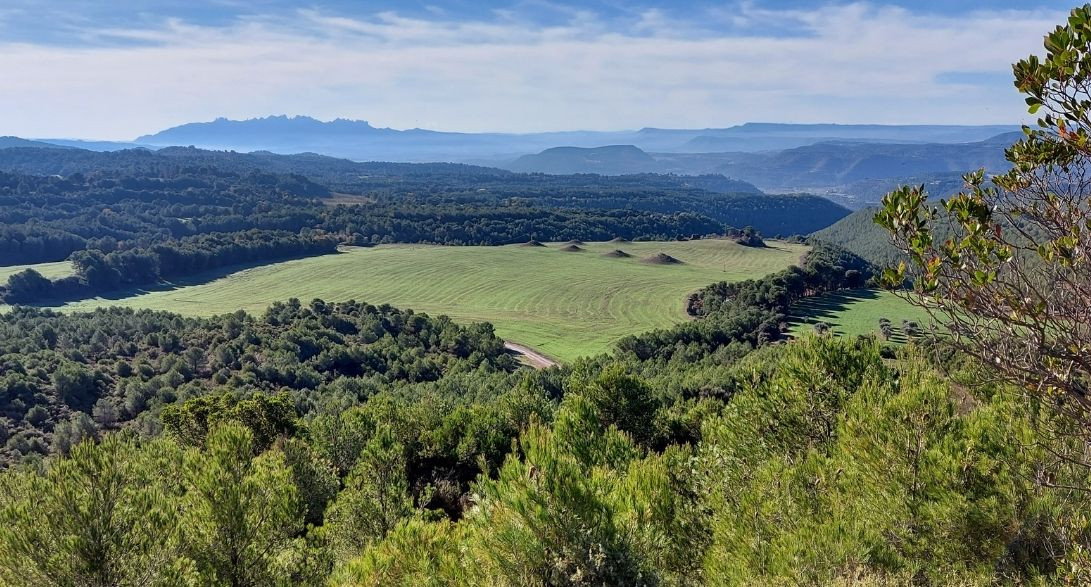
pixel 16 142
pixel 853 172
pixel 610 160
pixel 840 163
pixel 858 233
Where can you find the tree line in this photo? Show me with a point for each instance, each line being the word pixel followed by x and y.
pixel 47 218
pixel 753 312
pixel 97 272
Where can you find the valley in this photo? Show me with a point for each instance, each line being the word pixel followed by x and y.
pixel 562 304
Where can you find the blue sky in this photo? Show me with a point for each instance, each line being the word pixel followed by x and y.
pixel 114 70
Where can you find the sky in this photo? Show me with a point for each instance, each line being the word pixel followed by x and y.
pixel 109 70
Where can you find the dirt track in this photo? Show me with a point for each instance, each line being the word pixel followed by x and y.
pixel 536 359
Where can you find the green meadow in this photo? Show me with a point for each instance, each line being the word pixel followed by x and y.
pixel 565 304
pixel 51 270
pixel 855 312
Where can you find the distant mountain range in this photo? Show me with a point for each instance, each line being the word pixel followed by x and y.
pixel 855 173
pixel 359 140
pixel 763 136
pixel 851 164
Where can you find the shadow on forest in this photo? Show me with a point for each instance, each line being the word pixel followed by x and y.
pixel 178 283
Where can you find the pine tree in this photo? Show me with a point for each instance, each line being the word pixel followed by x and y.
pixel 375 499
pixel 97 518
pixel 241 511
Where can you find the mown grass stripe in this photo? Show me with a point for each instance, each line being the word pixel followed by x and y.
pixel 565 305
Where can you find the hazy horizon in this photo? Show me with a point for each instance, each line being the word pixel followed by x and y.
pixel 98 72
pixel 376 125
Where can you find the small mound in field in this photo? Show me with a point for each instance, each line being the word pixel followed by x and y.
pixel 618 239
pixel 751 241
pixel 574 242
pixel 618 253
pixel 533 244
pixel 661 259
pixel 571 249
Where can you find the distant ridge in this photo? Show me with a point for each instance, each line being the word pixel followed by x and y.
pixel 833 163
pixel 269 128
pixel 16 142
pixel 100 146
pixel 609 160
pixel 361 141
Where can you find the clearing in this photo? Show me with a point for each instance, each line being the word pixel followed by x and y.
pixel 51 270
pixel 562 304
pixel 855 312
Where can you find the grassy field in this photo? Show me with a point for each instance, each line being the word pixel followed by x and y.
pixel 857 312
pixel 51 270
pixel 564 304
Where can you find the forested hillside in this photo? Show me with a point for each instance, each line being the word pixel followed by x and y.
pixel 858 233
pixel 730 203
pixel 47 218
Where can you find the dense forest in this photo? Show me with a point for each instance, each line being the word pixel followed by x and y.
pixel 69 376
pixel 446 183
pixel 46 218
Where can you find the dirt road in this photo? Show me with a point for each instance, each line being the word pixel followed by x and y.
pixel 534 358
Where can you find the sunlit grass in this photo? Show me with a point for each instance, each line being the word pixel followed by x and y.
pixel 565 304
pixel 857 312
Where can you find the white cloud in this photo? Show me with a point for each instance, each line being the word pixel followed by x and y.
pixel 855 63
